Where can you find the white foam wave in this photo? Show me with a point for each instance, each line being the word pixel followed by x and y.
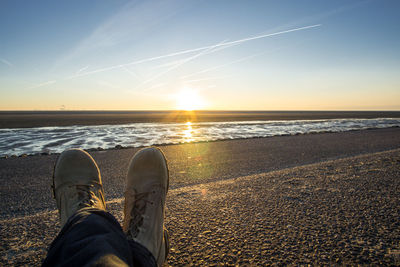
pixel 56 139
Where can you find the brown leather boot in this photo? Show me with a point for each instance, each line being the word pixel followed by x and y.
pixel 76 183
pixel 146 190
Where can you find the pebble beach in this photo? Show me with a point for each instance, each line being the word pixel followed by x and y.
pixel 319 199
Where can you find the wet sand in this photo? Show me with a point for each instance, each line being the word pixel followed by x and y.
pixel 328 199
pixel 26 119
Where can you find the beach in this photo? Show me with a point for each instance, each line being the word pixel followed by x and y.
pixel 322 199
pixel 280 124
pixel 27 119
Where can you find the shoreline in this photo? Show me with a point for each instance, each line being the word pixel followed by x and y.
pixel 119 147
pixel 191 163
pixel 300 199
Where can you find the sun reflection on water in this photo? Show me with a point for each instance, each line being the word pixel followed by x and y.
pixel 188 132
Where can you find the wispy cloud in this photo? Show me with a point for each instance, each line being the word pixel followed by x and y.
pixel 82 69
pixel 221 66
pixel 168 64
pixel 225 44
pixel 207 79
pixel 129 24
pixel 40 85
pixel 134 74
pixel 204 52
pixel 107 84
pixel 6 62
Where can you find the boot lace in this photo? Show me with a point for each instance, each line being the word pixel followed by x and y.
pixel 138 211
pixel 85 195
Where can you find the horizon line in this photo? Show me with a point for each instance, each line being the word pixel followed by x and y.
pixel 201 110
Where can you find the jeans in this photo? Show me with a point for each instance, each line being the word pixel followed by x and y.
pixel 94 237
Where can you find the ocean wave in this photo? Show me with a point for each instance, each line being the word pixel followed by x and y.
pixel 20 141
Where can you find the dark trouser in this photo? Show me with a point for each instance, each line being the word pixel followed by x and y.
pixel 94 237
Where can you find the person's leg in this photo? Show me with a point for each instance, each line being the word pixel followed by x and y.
pixel 90 235
pixel 146 189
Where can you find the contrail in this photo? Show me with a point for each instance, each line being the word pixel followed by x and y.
pixel 40 85
pixel 207 79
pixel 130 72
pixel 226 64
pixel 204 52
pixel 210 50
pixel 193 50
pixel 221 66
pixel 183 61
pixel 5 61
pixel 82 69
pixel 168 64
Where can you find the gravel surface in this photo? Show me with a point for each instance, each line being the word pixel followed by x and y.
pixel 25 181
pixel 340 212
pixel 229 205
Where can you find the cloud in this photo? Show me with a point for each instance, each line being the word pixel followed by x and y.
pixel 204 48
pixel 82 69
pixel 40 85
pixel 107 84
pixel 221 66
pixel 202 53
pixel 131 23
pixel 207 79
pixel 6 62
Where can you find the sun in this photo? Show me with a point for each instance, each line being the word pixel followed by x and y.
pixel 189 99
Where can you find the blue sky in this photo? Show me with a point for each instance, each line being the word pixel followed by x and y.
pixel 121 55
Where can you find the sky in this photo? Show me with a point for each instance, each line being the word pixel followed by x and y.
pixel 199 54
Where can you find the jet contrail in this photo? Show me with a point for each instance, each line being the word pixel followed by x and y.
pixel 227 64
pixel 177 63
pixel 210 50
pixel 193 50
pixel 207 79
pixel 82 69
pixel 204 52
pixel 220 66
pixel 40 85
pixel 5 61
pixel 130 72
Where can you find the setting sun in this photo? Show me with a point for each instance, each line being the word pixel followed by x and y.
pixel 189 99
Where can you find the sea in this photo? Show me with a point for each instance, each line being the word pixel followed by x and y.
pixel 55 139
